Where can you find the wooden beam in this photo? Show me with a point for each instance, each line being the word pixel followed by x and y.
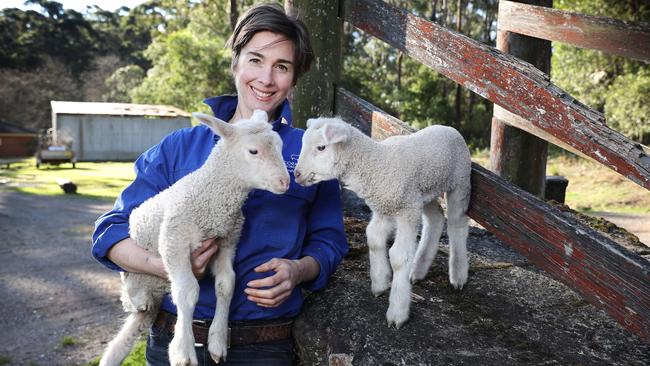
pixel 514 120
pixel 505 80
pixel 604 273
pixel 609 35
pixel 363 116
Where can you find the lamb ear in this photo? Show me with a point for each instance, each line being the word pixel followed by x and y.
pixel 219 127
pixel 335 132
pixel 260 115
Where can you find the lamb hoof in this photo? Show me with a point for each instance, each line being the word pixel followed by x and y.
pixel 396 318
pixel 379 292
pixel 458 281
pixel 176 361
pixel 458 278
pixel 218 351
pixel 144 307
pixel 181 356
pixel 141 303
pixel 378 288
pixel 416 277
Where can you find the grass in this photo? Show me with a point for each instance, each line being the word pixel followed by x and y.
pixel 93 180
pixel 592 187
pixel 596 188
pixel 68 341
pixel 135 358
pixel 4 360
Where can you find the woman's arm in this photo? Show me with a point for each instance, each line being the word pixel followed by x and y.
pixel 133 258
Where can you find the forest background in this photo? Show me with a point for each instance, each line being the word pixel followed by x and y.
pixel 172 52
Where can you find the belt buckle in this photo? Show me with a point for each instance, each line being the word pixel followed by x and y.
pixel 199 322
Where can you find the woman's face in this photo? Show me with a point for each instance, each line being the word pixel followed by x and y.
pixel 263 74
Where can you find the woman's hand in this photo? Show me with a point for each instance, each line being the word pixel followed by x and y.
pixel 272 291
pixel 202 256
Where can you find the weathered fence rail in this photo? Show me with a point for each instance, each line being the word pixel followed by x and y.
pixel 604 273
pixel 504 80
pixel 617 37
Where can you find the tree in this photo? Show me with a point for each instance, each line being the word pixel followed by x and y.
pixel 122 82
pixel 602 81
pixel 58 33
pixel 407 89
pixel 25 95
pixel 188 66
pixel 190 63
pixel 627 105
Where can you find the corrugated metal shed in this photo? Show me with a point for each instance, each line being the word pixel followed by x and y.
pixel 114 131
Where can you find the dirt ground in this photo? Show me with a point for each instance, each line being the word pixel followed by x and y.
pixel 58 304
pixel 638 224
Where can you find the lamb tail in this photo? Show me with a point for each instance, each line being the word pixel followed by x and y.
pixel 121 345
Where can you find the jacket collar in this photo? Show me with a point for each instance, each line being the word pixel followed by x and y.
pixel 224 107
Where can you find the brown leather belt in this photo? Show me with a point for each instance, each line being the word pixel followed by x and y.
pixel 238 334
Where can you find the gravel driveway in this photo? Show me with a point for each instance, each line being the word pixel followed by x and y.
pixel 51 288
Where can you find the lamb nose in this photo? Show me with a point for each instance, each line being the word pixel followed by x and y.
pixel 284 183
pixel 297 173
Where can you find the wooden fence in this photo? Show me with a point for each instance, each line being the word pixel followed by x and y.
pixel 604 273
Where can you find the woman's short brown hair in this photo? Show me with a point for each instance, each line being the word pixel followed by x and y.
pixel 272 18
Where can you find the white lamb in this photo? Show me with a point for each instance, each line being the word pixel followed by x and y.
pixel 204 204
pixel 400 179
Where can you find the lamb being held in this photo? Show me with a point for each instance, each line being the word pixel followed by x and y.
pixel 400 179
pixel 202 205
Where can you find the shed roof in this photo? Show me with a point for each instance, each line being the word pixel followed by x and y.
pixel 11 128
pixel 116 109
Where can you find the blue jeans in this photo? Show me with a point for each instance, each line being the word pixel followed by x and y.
pixel 279 353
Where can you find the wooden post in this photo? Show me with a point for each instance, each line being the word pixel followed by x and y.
pixel 514 154
pixel 314 93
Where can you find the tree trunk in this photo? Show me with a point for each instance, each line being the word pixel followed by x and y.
pixel 400 57
pixel 234 14
pixel 434 7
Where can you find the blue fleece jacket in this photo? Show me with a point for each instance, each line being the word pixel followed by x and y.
pixel 301 222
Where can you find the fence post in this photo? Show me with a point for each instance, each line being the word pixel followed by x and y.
pixel 514 154
pixel 314 94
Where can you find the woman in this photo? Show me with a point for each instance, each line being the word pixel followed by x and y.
pixel 289 242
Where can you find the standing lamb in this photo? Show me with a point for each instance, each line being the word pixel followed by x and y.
pixel 400 179
pixel 204 204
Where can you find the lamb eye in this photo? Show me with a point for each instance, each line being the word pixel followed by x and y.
pixel 320 147
pixel 253 151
